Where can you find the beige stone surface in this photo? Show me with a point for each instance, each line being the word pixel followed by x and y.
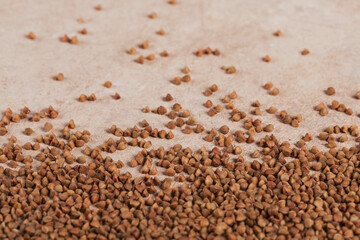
pixel 241 30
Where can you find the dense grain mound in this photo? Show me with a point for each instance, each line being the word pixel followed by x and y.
pixel 179 132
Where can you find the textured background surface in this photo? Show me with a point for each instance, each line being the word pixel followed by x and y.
pixel 241 30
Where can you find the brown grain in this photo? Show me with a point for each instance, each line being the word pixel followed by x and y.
pixel 144 45
pixel 28 131
pixel 233 95
pixel 208 104
pixel 146 109
pixel 31 36
pixel 161 110
pixel 108 84
pixel 305 52
pixel 212 112
pixel 59 77
pixel 82 98
pixel 357 95
pixel 132 51
pixel 153 15
pixel 92 97
pixel 268 85
pixel 150 57
pixel 65 38
pixel 199 53
pixel 269 128
pixel 48 126
pixel 278 33
pixel 266 58
pixel 272 110
pixel 176 80
pixel 3 131
pixel 168 97
pixel 74 40
pixel 84 31
pixel 330 91
pixel 186 70
pixel 229 69
pixel 274 92
pixel 140 59
pixel 164 53
pixel 116 96
pixel 177 107
pixel 161 32
pixel 186 78
pixel 214 88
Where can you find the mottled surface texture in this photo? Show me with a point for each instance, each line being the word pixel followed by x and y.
pixel 241 30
